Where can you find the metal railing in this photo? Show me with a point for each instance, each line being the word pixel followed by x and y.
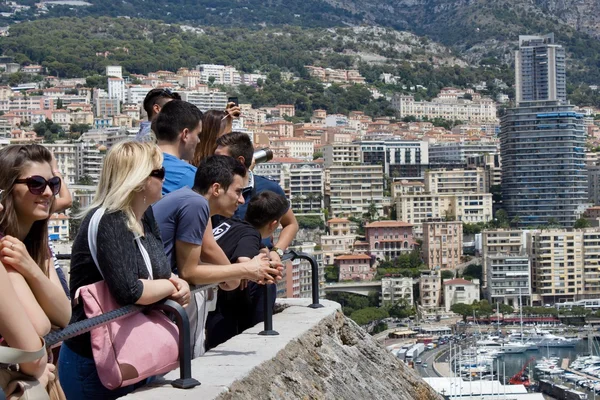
pixel 185 380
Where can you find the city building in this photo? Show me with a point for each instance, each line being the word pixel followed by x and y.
pixel 219 75
pixel 508 278
pixel 58 227
pixel 206 100
pixel 341 154
pixel 355 267
pixel 306 188
pixel 593 174
pixel 540 69
pixel 459 152
pixel 106 106
pixel 300 148
pixel 400 158
pixel 460 291
pixel 455 181
pixel 116 89
pixel 557 265
pixel 394 290
pixel 351 191
pixel 544 177
pixel 114 71
pixel 430 289
pixel 389 239
pixel 66 160
pixel 455 109
pixel 509 242
pixel 90 157
pixel 442 244
pixel 467 207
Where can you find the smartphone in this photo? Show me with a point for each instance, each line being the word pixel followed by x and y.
pixel 233 100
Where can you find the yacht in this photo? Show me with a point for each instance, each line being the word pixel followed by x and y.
pixel 550 340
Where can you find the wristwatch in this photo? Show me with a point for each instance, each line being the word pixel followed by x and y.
pixel 277 250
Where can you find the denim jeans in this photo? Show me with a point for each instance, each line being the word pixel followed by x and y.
pixel 79 378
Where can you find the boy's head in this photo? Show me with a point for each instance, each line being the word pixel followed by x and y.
pixel 265 211
pixel 156 99
pixel 179 123
pixel 237 145
pixel 221 179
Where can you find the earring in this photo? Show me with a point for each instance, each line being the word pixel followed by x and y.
pixel 144 200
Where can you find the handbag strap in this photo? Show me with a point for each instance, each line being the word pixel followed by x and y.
pixel 93 237
pixel 9 355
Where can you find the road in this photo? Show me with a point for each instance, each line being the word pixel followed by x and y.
pixel 429 357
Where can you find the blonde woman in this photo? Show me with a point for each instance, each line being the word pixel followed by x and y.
pixel 131 180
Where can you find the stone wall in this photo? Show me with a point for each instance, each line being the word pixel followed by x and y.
pixel 319 354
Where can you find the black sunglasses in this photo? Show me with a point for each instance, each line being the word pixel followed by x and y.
pixel 37 184
pixel 158 173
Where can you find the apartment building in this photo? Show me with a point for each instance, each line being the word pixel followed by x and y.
pixel 106 106
pixel 339 239
pixel 116 89
pixel 220 74
pixel 58 227
pixel 300 148
pixel 394 290
pixel 557 263
pixel 478 110
pixel 355 267
pixel 90 157
pixel 442 244
pixel 66 159
pixel 389 239
pixel 468 208
pixel 593 174
pixel 460 291
pixel 350 191
pixel 341 154
pixel 502 241
pixel 509 278
pixel 297 279
pixel 306 187
pixel 135 94
pixel 430 288
pixel 206 100
pixel 400 158
pixel 455 181
pixel 460 152
pixel 591 264
pixel 544 175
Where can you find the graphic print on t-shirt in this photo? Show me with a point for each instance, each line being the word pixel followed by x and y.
pixel 220 230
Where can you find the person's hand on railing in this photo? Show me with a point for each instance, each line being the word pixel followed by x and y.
pixel 263 271
pixel 182 294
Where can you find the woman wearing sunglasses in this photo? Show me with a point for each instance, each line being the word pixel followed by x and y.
pixel 131 180
pixel 29 188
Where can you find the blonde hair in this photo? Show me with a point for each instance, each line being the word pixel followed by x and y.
pixel 126 168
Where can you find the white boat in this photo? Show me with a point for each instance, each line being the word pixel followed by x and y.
pixel 550 340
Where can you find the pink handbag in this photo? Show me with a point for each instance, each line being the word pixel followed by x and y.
pixel 134 348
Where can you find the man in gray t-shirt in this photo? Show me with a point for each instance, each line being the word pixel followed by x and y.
pixel 182 217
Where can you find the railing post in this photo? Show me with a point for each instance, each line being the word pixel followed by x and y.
pixel 268 312
pixel 314 266
pixel 185 380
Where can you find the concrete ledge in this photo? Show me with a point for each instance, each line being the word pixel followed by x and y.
pixel 233 360
pixel 319 354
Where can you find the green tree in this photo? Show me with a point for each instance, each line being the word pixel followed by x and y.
pixel 85 180
pixel 473 271
pixel 368 315
pixel 466 310
pixel 317 155
pixel 582 223
pixel 447 274
pixel 332 273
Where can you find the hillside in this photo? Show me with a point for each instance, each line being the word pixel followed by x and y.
pixel 480 31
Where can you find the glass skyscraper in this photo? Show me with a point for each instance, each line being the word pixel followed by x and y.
pixel 540 72
pixel 544 178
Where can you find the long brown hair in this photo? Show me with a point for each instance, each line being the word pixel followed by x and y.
pixel 13 160
pixel 214 124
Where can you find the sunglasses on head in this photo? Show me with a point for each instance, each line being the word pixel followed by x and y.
pixel 158 173
pixel 37 184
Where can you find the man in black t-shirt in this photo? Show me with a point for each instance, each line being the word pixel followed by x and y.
pixel 241 309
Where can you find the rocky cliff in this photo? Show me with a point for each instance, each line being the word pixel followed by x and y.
pixel 334 360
